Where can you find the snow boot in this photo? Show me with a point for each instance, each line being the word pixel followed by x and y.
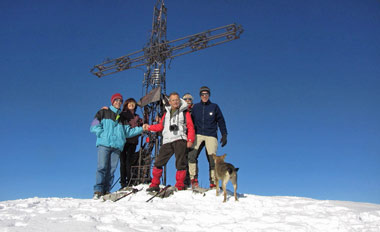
pixel 180 178
pixel 194 183
pixel 155 185
pixel 97 195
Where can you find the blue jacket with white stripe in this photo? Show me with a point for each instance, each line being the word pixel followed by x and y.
pixel 111 129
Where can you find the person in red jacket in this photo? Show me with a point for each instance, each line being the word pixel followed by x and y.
pixel 178 134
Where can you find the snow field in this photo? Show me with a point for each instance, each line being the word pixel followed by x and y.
pixel 186 211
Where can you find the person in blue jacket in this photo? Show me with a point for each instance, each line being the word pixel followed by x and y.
pixel 111 132
pixel 207 117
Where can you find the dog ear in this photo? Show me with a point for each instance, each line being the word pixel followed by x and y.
pixel 224 156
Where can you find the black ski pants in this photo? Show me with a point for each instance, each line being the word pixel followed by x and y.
pixel 125 163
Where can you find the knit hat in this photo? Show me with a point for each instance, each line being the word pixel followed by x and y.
pixel 204 88
pixel 116 96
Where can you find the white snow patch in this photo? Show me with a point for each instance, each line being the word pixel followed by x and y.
pixel 187 211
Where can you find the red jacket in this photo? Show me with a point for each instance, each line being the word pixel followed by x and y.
pixel 177 119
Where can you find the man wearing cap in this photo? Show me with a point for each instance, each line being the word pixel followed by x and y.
pixel 189 100
pixel 111 132
pixel 207 117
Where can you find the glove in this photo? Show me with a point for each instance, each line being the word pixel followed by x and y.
pixel 223 140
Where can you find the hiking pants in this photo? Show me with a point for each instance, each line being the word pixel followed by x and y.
pixel 211 148
pixel 125 163
pixel 178 148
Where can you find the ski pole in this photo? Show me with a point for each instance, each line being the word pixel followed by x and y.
pixel 164 189
pixel 114 184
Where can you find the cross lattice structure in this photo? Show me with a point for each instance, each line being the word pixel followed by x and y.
pixel 154 56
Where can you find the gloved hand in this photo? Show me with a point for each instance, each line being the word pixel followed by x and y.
pixel 223 140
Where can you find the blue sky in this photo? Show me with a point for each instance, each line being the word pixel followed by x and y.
pixel 299 91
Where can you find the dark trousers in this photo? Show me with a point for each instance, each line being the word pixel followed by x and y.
pixel 125 163
pixel 167 150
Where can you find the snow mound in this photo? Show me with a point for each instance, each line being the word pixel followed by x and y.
pixel 187 211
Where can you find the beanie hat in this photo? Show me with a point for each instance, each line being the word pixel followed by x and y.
pixel 204 88
pixel 116 96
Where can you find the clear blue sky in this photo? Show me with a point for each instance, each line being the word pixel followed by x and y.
pixel 299 91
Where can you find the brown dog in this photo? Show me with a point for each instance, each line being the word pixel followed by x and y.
pixel 225 172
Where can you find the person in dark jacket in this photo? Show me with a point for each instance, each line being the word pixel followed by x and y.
pixel 134 120
pixel 111 132
pixel 207 117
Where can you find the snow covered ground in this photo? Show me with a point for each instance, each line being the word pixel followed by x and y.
pixel 187 211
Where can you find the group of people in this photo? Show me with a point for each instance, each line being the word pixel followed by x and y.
pixel 186 128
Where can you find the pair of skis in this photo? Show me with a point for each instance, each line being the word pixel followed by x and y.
pixel 116 196
pixel 169 190
pixel 164 192
pixel 200 190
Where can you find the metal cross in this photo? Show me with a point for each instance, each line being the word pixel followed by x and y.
pixel 154 56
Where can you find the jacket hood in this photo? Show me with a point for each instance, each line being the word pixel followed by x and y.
pixel 182 107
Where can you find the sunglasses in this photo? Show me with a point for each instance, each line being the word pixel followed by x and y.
pixel 119 100
pixel 205 94
pixel 187 99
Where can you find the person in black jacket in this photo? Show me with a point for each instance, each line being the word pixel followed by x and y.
pixel 134 120
pixel 207 117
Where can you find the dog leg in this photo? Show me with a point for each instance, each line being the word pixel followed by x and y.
pixel 217 185
pixel 235 194
pixel 224 186
pixel 234 183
